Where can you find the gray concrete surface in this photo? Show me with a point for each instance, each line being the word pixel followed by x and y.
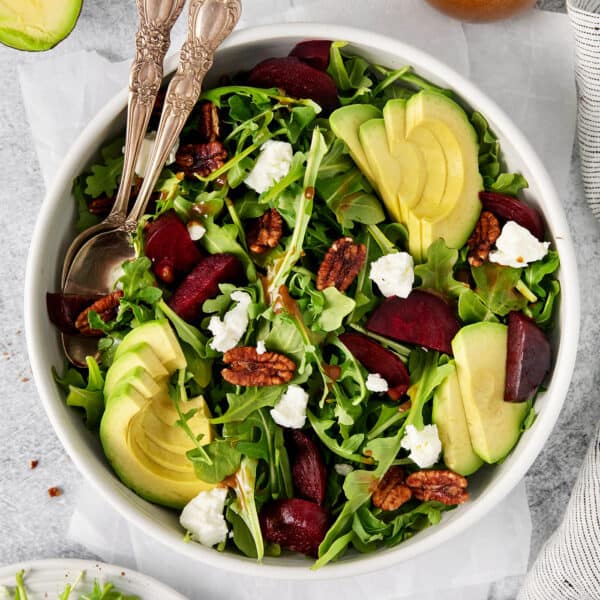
pixel 33 525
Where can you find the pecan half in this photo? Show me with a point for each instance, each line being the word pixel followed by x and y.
pixel 209 122
pixel 341 264
pixel 201 159
pixel 106 307
pixel 391 493
pixel 247 367
pixel 442 486
pixel 101 206
pixel 484 236
pixel 265 232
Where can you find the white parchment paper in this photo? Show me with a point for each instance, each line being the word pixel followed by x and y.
pixel 525 64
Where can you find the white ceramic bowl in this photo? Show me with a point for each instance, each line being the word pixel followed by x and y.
pixel 55 228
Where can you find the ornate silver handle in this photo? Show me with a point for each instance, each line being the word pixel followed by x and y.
pixel 209 23
pixel 152 42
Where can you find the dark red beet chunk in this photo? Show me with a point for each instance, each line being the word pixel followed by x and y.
pixel 170 248
pixel 512 209
pixel 377 359
pixel 422 318
pixel 297 79
pixel 308 468
pixel 203 283
pixel 313 52
pixel 294 524
pixel 528 358
pixel 63 309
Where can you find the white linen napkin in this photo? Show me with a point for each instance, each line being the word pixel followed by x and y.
pixel 535 77
pixel 568 567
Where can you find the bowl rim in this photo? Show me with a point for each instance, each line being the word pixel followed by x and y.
pixel 104 480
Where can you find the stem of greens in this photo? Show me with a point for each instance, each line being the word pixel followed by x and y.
pixel 383 242
pixel 399 349
pixel 237 222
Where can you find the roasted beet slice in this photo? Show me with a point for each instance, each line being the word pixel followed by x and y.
pixel 63 309
pixel 313 52
pixel 512 209
pixel 422 318
pixel 297 79
pixel 528 358
pixel 170 248
pixel 203 283
pixel 295 524
pixel 377 359
pixel 308 467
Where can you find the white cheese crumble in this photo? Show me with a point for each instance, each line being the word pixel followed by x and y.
pixel 260 347
pixel 203 517
pixel 376 383
pixel 343 469
pixel 517 246
pixel 228 331
pixel 272 165
pixel 394 274
pixel 141 164
pixel 196 230
pixel 425 445
pixel 290 411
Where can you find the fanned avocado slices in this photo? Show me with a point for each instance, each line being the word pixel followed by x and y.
pixel 37 25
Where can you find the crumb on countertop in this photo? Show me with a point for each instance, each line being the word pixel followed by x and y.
pixel 54 492
pixel 33 463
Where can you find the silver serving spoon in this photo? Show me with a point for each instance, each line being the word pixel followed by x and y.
pixel 97 261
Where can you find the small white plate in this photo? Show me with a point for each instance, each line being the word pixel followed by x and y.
pixel 46 579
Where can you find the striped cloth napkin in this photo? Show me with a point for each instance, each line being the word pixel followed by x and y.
pixel 568 567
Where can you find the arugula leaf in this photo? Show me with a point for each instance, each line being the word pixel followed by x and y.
pixel 536 275
pixel 104 178
pixel 245 503
pixel 472 308
pixel 85 218
pixel 222 459
pixel 509 183
pixel 106 592
pixel 337 306
pixel 243 404
pixel 496 286
pixel 437 273
pixel 86 395
pixel 542 310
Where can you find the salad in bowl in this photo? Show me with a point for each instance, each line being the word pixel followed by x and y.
pixel 340 311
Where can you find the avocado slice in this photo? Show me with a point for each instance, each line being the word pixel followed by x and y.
pixel 345 123
pixel 148 455
pixel 160 337
pixel 460 207
pixel 449 416
pixel 37 25
pixel 139 431
pixel 137 375
pixel 480 354
pixel 138 355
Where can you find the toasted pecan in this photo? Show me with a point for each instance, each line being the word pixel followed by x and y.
pixel 391 492
pixel 265 232
pixel 482 239
pixel 209 125
pixel 439 485
pixel 342 263
pixel 107 308
pixel 247 367
pixel 201 159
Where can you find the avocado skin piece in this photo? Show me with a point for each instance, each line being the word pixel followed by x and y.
pixel 494 425
pixel 37 26
pixel 449 416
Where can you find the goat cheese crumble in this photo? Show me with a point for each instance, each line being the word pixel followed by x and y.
pixel 516 247
pixel 196 230
pixel 203 517
pixel 272 165
pixel 376 383
pixel 394 274
pixel 290 411
pixel 141 164
pixel 260 347
pixel 424 446
pixel 228 331
pixel 343 469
